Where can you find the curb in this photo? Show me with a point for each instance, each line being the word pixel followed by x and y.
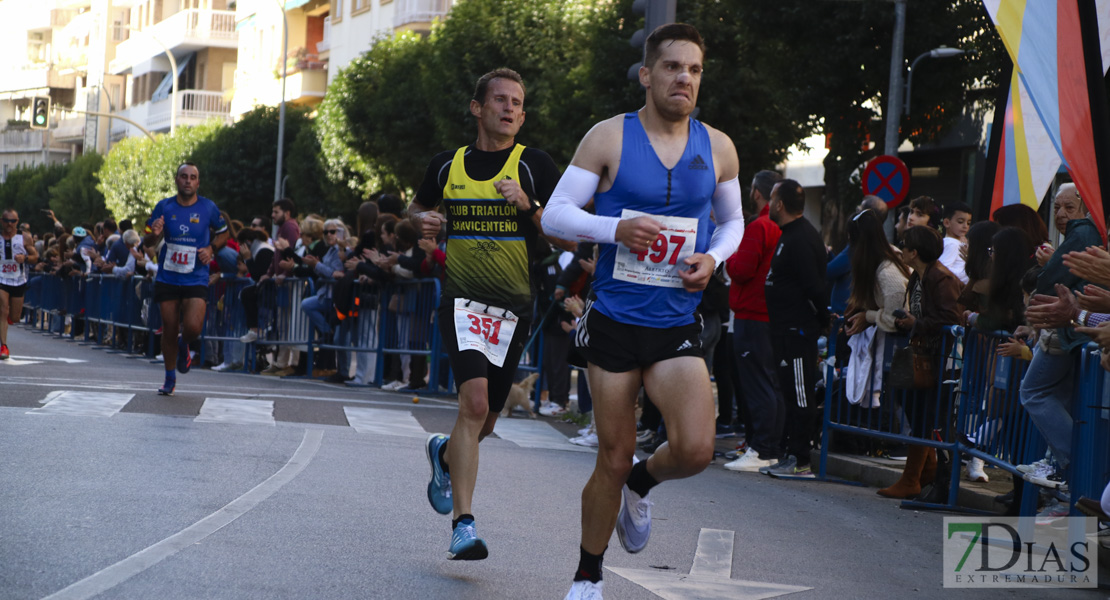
pixel 874 474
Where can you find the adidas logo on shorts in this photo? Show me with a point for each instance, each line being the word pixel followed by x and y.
pixel 686 344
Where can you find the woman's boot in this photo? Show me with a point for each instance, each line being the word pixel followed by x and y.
pixel 938 492
pixel 929 473
pixel 907 486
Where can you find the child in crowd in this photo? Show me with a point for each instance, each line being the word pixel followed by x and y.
pixel 957 221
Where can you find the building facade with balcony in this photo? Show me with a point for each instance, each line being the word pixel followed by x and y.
pixel 324 37
pixel 201 37
pixel 46 50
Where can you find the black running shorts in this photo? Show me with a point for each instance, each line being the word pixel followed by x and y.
pixel 619 348
pixel 164 292
pixel 471 364
pixel 13 291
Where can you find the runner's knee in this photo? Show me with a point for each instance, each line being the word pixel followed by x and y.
pixel 692 454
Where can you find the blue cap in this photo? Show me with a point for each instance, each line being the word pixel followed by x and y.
pixel 79 232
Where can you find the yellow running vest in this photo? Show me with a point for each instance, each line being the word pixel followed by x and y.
pixel 487 250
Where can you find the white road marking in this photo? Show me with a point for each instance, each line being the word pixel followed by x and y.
pixel 709 575
pixel 82 404
pixel 15 362
pixel 528 433
pixel 714 554
pixel 106 579
pixel 356 395
pixel 236 410
pixel 69 361
pixel 384 422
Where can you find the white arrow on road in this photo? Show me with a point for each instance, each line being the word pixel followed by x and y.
pixel 710 575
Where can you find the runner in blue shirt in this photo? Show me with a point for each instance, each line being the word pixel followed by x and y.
pixel 192 230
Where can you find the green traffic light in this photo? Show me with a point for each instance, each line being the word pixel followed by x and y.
pixel 40 119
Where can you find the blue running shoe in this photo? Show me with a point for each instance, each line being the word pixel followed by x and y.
pixel 167 388
pixel 633 521
pixel 184 357
pixel 439 488
pixel 465 543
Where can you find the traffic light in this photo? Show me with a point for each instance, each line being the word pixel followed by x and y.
pixel 655 13
pixel 40 112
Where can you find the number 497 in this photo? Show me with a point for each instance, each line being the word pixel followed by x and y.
pixel 659 248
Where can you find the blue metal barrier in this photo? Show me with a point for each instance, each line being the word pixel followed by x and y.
pixel 1089 469
pixel 974 408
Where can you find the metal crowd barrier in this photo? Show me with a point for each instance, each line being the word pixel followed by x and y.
pixel 977 412
pixel 974 407
pixel 394 319
pixel 1089 469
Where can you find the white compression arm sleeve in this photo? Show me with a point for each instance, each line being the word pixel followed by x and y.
pixel 563 216
pixel 730 220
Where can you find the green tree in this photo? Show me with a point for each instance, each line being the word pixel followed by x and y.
pixel 138 171
pixel 237 163
pixel 27 190
pixel 75 198
pixel 836 56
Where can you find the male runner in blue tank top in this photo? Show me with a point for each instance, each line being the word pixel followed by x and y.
pixel 654 175
pixel 191 227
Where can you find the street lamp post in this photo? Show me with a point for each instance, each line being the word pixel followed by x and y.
pixel 281 110
pixel 894 103
pixel 173 73
pixel 942 52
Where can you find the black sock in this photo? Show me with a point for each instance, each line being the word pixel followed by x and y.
pixel 443 456
pixel 589 566
pixel 639 480
pixel 466 517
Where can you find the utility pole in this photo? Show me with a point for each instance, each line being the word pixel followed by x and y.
pixel 894 100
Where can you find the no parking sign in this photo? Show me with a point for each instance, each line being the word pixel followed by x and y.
pixel 888 178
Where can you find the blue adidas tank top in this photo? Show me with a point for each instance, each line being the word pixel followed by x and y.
pixel 643 184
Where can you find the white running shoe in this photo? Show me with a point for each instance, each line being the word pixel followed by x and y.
pixel 589 440
pixel 551 409
pixel 750 462
pixel 393 386
pixel 1034 467
pixel 975 470
pixel 585 590
pixel 634 519
pixel 248 337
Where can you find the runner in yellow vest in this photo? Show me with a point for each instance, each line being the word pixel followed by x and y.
pixel 492 194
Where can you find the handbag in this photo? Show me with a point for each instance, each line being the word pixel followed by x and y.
pixel 913 367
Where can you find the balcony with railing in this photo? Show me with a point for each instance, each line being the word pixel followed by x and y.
pixel 194 107
pixel 183 32
pixel 324 45
pixel 60 17
pixel 415 14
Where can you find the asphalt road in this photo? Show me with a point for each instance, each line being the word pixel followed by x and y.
pixel 245 486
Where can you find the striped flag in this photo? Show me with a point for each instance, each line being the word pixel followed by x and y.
pixel 1044 38
pixel 1027 160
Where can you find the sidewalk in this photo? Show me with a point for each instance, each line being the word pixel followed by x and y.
pixel 879 473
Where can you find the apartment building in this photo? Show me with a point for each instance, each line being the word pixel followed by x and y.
pixel 324 37
pixel 200 37
pixel 46 48
pixel 96 58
